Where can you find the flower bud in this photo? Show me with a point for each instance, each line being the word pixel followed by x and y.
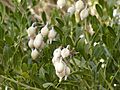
pixel 45 30
pixel 67 72
pixel 59 66
pixel 61 3
pixel 57 52
pixel 38 41
pixel 60 75
pixel 32 31
pixel 34 54
pixel 30 43
pixel 84 13
pixel 52 33
pixel 65 52
pixel 55 60
pixel 79 5
pixel 71 9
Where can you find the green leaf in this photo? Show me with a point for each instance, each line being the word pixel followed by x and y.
pixel 61 23
pixel 7 53
pixel 1 69
pixel 44 17
pixel 99 10
pixel 111 31
pixel 98 51
pixel 69 41
pixel 101 2
pixel 45 85
pixel 9 40
pixel 99 66
pixel 24 67
pixel 58 30
pixel 34 68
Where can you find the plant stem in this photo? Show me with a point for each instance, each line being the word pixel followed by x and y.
pixel 19 83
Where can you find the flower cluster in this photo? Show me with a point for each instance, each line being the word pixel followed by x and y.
pixel 80 9
pixel 36 41
pixel 62 70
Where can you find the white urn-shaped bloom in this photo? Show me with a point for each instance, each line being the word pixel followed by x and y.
pixel 84 13
pixel 38 41
pixel 67 72
pixel 65 52
pixel 51 35
pixel 57 52
pixel 45 30
pixel 79 5
pixel 34 54
pixel 30 43
pixel 71 9
pixel 61 3
pixel 32 31
pixel 59 66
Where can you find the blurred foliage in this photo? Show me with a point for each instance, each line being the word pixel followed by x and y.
pixel 20 72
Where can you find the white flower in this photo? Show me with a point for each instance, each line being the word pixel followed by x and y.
pixel 115 11
pixel 81 36
pixel 42 45
pixel 30 43
pixel 71 9
pixel 57 52
pixel 65 52
pixel 61 3
pixel 84 13
pixel 59 66
pixel 79 5
pixel 45 30
pixel 102 60
pixel 103 65
pixel 95 43
pixel 67 72
pixel 60 75
pixel 115 85
pixel 34 54
pixel 38 41
pixel 51 35
pixel 90 30
pixel 32 31
pixel 55 60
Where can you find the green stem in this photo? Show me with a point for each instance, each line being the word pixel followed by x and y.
pixel 19 83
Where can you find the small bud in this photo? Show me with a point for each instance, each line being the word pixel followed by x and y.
pixel 103 65
pixel 57 52
pixel 71 9
pixel 90 29
pixel 38 41
pixel 61 3
pixel 84 13
pixel 55 60
pixel 59 66
pixel 34 54
pixel 52 33
pixel 102 60
pixel 45 30
pixel 79 5
pixel 65 52
pixel 30 43
pixel 32 31
pixel 67 72
pixel 60 75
